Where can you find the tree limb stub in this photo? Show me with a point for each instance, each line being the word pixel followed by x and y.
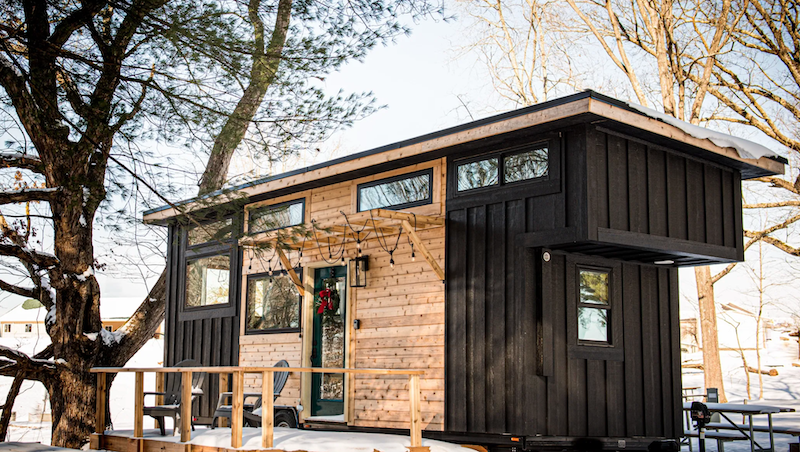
pixel 28 195
pixel 43 260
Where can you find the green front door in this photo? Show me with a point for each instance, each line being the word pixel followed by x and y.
pixel 327 390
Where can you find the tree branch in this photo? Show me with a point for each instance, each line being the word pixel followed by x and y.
pixel 31 368
pixel 781 245
pixel 42 260
pixel 21 161
pixel 27 195
pixel 21 291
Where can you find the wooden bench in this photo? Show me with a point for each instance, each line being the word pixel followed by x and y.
pixel 794 431
pixel 720 437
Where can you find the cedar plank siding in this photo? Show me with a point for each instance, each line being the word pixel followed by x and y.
pixel 401 312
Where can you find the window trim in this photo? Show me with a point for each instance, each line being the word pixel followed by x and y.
pixel 249 331
pixel 429 200
pixel 501 166
pixel 613 350
pixel 231 239
pixel 301 201
pixel 214 248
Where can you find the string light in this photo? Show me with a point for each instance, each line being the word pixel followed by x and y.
pixel 391 258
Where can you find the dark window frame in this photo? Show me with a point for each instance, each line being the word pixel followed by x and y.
pixel 211 243
pixel 228 247
pixel 301 201
pixel 29 328
pixel 247 330
pixel 501 166
pixel 613 350
pixel 429 200
pixel 606 307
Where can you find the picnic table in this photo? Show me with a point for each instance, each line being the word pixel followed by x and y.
pixel 724 409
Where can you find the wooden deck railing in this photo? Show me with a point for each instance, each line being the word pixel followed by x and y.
pixel 237 418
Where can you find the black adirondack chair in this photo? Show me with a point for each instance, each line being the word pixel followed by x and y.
pixel 172 400
pixel 224 405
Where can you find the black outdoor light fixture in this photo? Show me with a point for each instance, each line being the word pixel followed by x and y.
pixel 358 271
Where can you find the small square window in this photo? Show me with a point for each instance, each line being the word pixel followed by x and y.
pixel 278 216
pixel 273 303
pixel 109 328
pixel 28 328
pixel 483 173
pixel 208 281
pixel 7 328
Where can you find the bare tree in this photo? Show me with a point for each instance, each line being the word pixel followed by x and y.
pixel 82 82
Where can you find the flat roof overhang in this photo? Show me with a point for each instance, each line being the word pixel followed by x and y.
pixel 587 106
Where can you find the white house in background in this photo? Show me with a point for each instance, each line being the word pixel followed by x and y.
pixel 737 326
pixel 22 323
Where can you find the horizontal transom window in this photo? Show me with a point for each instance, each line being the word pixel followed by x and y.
pixel 530 162
pixel 407 190
pixel 276 216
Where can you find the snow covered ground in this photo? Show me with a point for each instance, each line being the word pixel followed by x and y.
pixel 783 390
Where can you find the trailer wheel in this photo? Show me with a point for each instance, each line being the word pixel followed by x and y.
pixel 285 419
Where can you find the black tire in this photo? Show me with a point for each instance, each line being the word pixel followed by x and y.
pixel 285 419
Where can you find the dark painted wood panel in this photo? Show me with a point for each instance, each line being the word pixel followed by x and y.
pixel 495 314
pixel 617 183
pixel 515 225
pixel 713 205
pixel 557 386
pixel 637 187
pixel 657 192
pixel 634 396
pixel 728 208
pixel 651 362
pixel 598 165
pixel 665 349
pixel 695 201
pixel 596 397
pixel 476 318
pixel 676 197
pixel 455 323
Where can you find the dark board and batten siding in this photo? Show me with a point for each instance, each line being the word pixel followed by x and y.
pixel 510 364
pixel 648 190
pixel 211 341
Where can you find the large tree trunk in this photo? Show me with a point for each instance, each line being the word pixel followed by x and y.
pixel 708 328
pixel 72 401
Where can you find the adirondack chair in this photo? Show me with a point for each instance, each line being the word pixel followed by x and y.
pixel 251 411
pixel 172 400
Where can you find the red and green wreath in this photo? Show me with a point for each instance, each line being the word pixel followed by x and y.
pixel 327 300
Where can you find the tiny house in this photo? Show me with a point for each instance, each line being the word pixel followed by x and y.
pixel 527 262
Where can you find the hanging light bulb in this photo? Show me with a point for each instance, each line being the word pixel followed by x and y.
pixel 391 259
pixel 413 256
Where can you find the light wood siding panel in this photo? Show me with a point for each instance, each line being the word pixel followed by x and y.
pixel 401 312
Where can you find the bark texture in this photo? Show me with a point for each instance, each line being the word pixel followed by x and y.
pixel 708 328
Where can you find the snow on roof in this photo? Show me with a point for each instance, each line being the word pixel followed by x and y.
pixel 747 149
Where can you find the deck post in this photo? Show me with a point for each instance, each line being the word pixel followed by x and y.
pixel 267 409
pixel 138 406
pixel 160 386
pixel 236 409
pixel 100 414
pixel 414 405
pixel 223 387
pixel 186 407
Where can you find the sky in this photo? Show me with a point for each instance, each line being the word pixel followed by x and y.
pixel 426 85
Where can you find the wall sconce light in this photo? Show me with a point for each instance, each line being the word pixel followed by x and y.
pixel 358 271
